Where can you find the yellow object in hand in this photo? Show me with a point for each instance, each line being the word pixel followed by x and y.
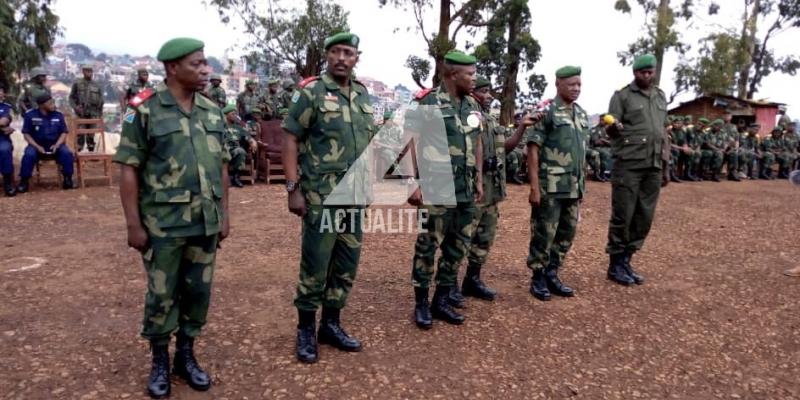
pixel 609 119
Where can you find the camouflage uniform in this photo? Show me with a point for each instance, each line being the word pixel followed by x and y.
pixel 30 91
pixel 179 159
pixel 599 155
pixel 87 95
pixel 711 160
pixel 246 102
pixel 218 96
pixel 694 138
pixel 516 165
pixel 561 137
pixel 333 127
pixel 788 155
pixel 448 227
pixel 767 145
pixel 135 87
pixel 238 140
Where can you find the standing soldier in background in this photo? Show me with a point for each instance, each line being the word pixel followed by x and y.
pixel 556 157
pixel 173 175
pixel 330 123
pixel 286 94
pixel 448 226
pixel 274 97
pixel 216 93
pixel 515 159
pixel 141 83
pixel 32 89
pixel 248 100
pixel 86 100
pixel 484 223
pixel 599 143
pixel 239 141
pixel 640 110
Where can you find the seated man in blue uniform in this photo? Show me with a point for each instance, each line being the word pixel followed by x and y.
pixel 45 131
pixel 6 147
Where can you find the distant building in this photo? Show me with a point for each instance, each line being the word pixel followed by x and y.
pixel 713 106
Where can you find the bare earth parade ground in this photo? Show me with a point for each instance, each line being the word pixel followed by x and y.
pixel 715 319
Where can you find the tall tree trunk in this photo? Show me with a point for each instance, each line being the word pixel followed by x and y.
pixel 441 41
pixel 509 93
pixel 662 31
pixel 758 62
pixel 748 47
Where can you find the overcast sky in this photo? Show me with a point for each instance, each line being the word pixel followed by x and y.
pixel 579 32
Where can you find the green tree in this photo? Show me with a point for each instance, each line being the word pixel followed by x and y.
pixel 508 51
pixel 453 17
pixel 28 29
pixel 281 34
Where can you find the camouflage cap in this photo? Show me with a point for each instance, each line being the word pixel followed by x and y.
pixel 141 69
pixel 215 77
pixel 568 71
pixel 178 48
pixel 228 108
pixel 288 83
pixel 38 71
pixel 645 61
pixel 455 57
pixel 345 38
pixel 87 66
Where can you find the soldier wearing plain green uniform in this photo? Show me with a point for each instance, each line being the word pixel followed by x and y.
pixel 484 223
pixel 239 141
pixel 330 123
pixel 216 92
pixel 598 154
pixel 447 226
pixel 86 100
pixel 33 89
pixel 248 100
pixel 173 163
pixel 640 110
pixel 139 84
pixel 556 162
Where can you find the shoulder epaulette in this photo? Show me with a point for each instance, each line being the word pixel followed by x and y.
pixel 422 93
pixel 140 97
pixel 306 81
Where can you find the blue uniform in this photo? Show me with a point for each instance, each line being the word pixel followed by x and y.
pixel 6 147
pixel 45 130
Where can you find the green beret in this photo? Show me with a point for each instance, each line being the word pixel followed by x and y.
pixel 670 118
pixel 228 108
pixel 178 48
pixel 718 122
pixel 38 71
pixel 273 81
pixel 568 71
pixel 215 77
pixel 345 38
pixel 704 120
pixel 256 110
pixel 459 58
pixel 249 81
pixel 687 118
pixel 481 82
pixel 677 118
pixel 87 66
pixel 644 61
pixel 283 111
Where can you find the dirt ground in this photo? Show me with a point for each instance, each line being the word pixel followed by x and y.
pixel 716 318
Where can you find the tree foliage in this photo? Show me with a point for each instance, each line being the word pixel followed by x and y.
pixel 281 34
pixel 28 29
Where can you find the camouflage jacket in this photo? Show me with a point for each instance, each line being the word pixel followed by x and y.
pixel 463 125
pixel 179 158
pixel 790 142
pixel 597 134
pixel 30 91
pixel 749 142
pixel 333 128
pixel 135 87
pixel 561 137
pixel 716 139
pixel 89 96
pixel 235 135
pixel 218 96
pixel 770 144
pixel 643 115
pixel 247 101
pixel 494 157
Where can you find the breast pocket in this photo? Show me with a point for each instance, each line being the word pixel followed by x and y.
pixel 331 118
pixel 167 139
pixel 634 117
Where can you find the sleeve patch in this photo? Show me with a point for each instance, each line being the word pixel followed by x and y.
pixel 130 114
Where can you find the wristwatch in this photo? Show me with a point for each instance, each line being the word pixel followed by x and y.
pixel 291 186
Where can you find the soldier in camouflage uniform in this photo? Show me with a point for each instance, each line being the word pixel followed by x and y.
pixel 141 83
pixel 788 155
pixel 33 89
pixel 389 143
pixel 216 93
pixel 680 148
pixel 769 147
pixel 713 150
pixel 286 94
pixel 447 226
pixel 484 224
pixel 274 97
pixel 556 157
pixel 742 154
pixel 598 154
pixel 86 99
pixel 733 151
pixel 173 162
pixel 239 142
pixel 248 100
pixel 753 144
pixel 330 123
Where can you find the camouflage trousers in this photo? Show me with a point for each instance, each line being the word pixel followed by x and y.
pixel 515 162
pixel 179 275
pixel 786 159
pixel 767 159
pixel 448 228
pixel 737 159
pixel 689 160
pixel 484 229
pixel 238 159
pixel 634 195
pixel 330 250
pixel 599 159
pixel 553 227
pixel 711 160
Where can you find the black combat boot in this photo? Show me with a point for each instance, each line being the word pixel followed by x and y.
pixel 763 173
pixel 693 177
pixel 554 284
pixel 422 308
pixel 783 173
pixel 733 176
pixel 68 184
pixel 673 177
pixel 158 385
pixel 23 185
pixel 441 309
pixel 539 285
pixel 307 350
pixel 186 366
pixel 455 298
pixel 235 181
pixel 332 333
pixel 8 185
pixel 637 279
pixel 617 271
pixel 473 286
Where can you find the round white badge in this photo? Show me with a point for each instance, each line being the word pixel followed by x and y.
pixel 473 121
